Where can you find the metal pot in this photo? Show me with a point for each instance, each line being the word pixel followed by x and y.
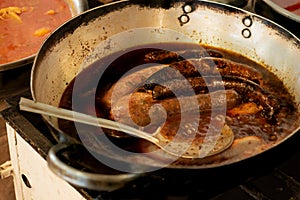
pixel 72 48
pixel 76 7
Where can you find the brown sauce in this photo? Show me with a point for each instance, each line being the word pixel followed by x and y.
pixel 284 122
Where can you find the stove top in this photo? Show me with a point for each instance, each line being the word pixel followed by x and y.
pixel 272 175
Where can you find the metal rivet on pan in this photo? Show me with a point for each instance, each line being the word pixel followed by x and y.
pixel 246 33
pixel 247 21
pixel 184 19
pixel 187 9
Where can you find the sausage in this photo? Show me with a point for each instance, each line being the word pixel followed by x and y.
pixel 203 67
pixel 165 56
pixel 231 68
pixel 141 109
pixel 179 87
pixel 246 88
pixel 181 70
pixel 128 84
pixel 254 93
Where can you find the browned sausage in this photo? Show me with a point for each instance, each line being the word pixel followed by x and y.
pixel 181 87
pixel 128 84
pixel 139 106
pixel 248 89
pixel 231 68
pixel 203 67
pixel 254 93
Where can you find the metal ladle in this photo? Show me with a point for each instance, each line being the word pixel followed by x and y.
pixel 223 142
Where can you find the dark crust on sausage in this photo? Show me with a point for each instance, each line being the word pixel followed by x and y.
pixel 138 104
pixel 254 93
pixel 203 67
pixel 231 68
pixel 165 56
pixel 180 87
pixel 128 84
pixel 250 90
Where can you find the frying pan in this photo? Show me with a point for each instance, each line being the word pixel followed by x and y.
pixel 86 39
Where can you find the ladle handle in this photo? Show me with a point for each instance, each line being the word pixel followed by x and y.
pixel 49 110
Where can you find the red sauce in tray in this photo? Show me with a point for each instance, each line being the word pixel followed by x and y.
pixel 290 5
pixel 293 7
pixel 24 25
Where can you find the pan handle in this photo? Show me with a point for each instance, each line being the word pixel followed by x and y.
pixel 77 177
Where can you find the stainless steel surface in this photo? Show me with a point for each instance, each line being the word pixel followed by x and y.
pixel 221 26
pixel 76 7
